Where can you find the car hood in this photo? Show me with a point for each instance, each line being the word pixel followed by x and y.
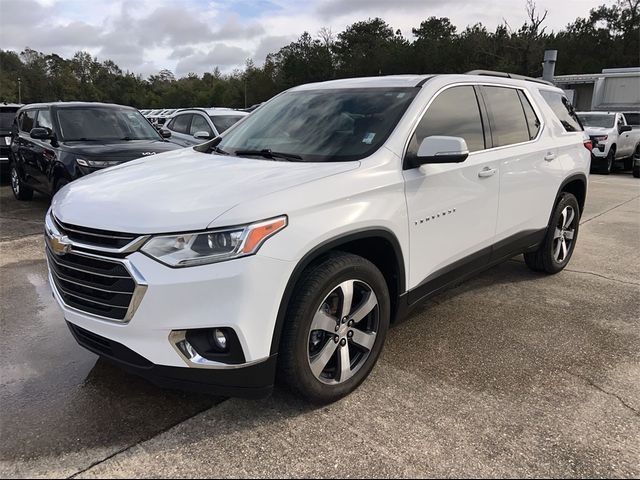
pixel 178 191
pixel 118 150
pixel 597 130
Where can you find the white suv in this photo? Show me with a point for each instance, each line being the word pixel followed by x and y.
pixel 287 246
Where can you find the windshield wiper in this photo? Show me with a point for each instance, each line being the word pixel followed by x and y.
pixel 268 153
pixel 219 150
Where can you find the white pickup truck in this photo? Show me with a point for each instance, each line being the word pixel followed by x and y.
pixel 613 139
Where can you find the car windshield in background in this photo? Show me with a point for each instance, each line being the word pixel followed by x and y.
pixel 604 121
pixel 633 118
pixel 223 122
pixel 104 124
pixel 6 119
pixel 322 125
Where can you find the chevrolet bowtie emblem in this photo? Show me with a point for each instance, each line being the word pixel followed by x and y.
pixel 60 245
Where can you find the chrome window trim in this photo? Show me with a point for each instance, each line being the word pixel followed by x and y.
pixel 178 340
pixel 527 94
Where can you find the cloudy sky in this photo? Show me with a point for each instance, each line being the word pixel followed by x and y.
pixel 185 36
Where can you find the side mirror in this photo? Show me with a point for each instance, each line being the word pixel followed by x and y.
pixel 624 129
pixel 41 133
pixel 441 149
pixel 165 133
pixel 202 135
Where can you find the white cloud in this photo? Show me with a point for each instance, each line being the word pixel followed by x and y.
pixel 197 35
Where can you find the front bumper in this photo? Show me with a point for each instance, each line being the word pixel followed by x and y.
pixel 254 381
pixel 242 294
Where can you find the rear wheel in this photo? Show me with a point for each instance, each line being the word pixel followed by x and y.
pixel 608 166
pixel 335 328
pixel 20 190
pixel 555 251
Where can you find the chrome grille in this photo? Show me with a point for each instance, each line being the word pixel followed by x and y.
pixel 98 286
pixel 95 238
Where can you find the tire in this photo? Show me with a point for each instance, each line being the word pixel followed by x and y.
pixel 19 189
pixel 628 163
pixel 59 184
pixel 318 301
pixel 610 160
pixel 551 257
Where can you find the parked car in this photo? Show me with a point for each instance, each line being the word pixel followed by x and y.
pixel 288 245
pixel 7 117
pixel 164 115
pixel 153 115
pixel 613 139
pixel 192 126
pixel 56 143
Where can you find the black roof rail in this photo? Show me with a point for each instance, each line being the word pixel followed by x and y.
pixel 515 76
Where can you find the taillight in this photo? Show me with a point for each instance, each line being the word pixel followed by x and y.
pixel 588 144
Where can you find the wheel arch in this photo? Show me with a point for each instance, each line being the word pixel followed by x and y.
pixel 368 243
pixel 575 184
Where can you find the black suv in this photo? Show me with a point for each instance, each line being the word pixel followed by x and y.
pixel 56 143
pixel 7 116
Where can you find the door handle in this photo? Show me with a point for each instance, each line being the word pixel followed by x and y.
pixel 550 156
pixel 487 172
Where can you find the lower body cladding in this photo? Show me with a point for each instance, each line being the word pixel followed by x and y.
pixel 207 328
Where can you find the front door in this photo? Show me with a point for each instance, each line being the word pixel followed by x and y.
pixel 452 207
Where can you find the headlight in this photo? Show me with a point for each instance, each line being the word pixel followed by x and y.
pixel 199 248
pixel 96 163
pixel 601 138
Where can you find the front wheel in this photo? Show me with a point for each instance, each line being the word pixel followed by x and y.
pixel 20 190
pixel 560 240
pixel 335 328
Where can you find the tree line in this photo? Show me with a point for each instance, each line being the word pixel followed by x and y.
pixel 608 37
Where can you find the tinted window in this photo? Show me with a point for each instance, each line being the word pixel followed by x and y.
pixel 199 124
pixel 323 125
pixel 506 116
pixel 181 123
pixel 454 113
pixel 94 123
pixel 223 122
pixel 563 110
pixel 632 118
pixel 44 119
pixel 27 120
pixel 532 119
pixel 597 120
pixel 6 119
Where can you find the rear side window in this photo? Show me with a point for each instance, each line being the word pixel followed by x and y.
pixel 44 120
pixel 455 112
pixel 506 116
pixel 181 123
pixel 532 119
pixel 563 110
pixel 27 120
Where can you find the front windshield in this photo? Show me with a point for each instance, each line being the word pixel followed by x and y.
pixel 603 121
pixel 322 125
pixel 223 122
pixel 95 123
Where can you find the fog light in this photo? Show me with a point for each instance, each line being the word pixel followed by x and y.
pixel 220 339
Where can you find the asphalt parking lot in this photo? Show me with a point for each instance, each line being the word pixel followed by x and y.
pixel 509 374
